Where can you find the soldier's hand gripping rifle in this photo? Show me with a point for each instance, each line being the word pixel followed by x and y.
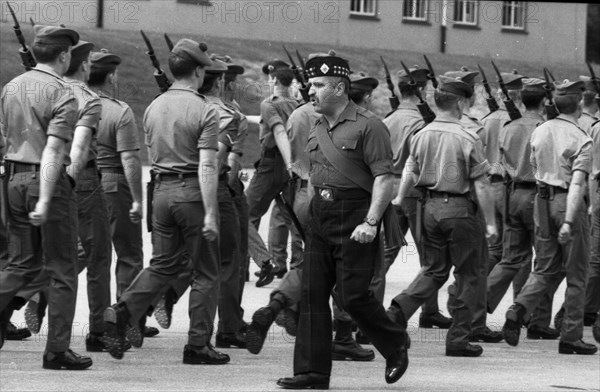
pixel 161 78
pixel 511 108
pixel 426 112
pixel 491 101
pixel 169 42
pixel 596 82
pixel 551 110
pixel 394 100
pixel 298 75
pixel 26 55
pixel 431 74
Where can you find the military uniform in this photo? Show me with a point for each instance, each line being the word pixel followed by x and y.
pixel 54 243
pixel 559 147
pixel 592 298
pixel 586 121
pixel 93 226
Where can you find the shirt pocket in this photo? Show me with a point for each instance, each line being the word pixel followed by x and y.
pixel 346 144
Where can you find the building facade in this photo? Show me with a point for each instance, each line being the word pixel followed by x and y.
pixel 536 31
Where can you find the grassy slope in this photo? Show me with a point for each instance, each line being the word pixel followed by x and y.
pixel 138 88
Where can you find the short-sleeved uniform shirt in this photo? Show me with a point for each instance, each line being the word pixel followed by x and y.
pixel 299 125
pixel 177 125
pixel 515 147
pixel 35 105
pixel 596 150
pixel 492 123
pixel 558 148
pixel 586 121
pixel 238 143
pixel 447 157
pixel 274 111
pixel 117 132
pixel 228 121
pixel 361 137
pixel 89 111
pixel 403 123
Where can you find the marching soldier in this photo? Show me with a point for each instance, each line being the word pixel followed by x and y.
pixel 561 159
pixel 589 108
pixel 181 133
pixel 42 208
pixel 592 297
pixel 452 229
pixel 272 170
pixel 519 235
pixel 403 124
pixel 343 227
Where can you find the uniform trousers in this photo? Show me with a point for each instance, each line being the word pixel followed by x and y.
pixel 279 230
pixel 241 205
pixel 94 236
pixel 452 236
pixel 268 180
pixel 592 297
pixel 554 259
pixel 495 246
pixel 333 259
pixel 126 235
pixel 177 221
pixel 52 245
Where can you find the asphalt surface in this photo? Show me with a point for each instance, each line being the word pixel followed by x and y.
pixel 533 365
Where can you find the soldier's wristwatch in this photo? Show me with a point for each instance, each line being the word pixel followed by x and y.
pixel 370 221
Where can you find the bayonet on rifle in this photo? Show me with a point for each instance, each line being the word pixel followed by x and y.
pixel 491 101
pixel 426 112
pixel 596 83
pixel 26 56
pixel 511 108
pixel 169 42
pixel 431 74
pixel 161 78
pixel 394 100
pixel 304 87
pixel 551 110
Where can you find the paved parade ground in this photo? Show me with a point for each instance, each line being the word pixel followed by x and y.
pixel 531 366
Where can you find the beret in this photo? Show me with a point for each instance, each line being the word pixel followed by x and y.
pixel 232 68
pixel 464 74
pixel 193 51
pixel 455 86
pixel 589 84
pixel 104 60
pixel 362 81
pixel 327 64
pixel 81 51
pixel 274 65
pixel 55 35
pixel 419 74
pixel 570 88
pixel 218 66
pixel 535 85
pixel 512 81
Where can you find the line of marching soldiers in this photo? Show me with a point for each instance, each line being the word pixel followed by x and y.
pixel 477 195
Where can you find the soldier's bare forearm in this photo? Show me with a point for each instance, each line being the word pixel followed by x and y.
pixel 381 196
pixel 485 198
pixel 79 151
pixel 51 165
pixel 575 195
pixel 208 176
pixel 283 143
pixel 132 167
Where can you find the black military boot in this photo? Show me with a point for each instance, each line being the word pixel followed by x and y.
pixel 115 326
pixel 396 314
pixel 262 320
pixel 345 347
pixel 514 320
pixel 266 275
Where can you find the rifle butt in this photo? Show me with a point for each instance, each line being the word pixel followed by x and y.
pixel 512 110
pixel 162 81
pixel 492 104
pixel 394 102
pixel 551 111
pixel 426 112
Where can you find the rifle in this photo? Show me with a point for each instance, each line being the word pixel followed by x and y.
pixel 169 42
pixel 286 206
pixel 298 75
pixel 491 101
pixel 511 108
pixel 551 110
pixel 394 101
pixel 426 112
pixel 431 74
pixel 26 55
pixel 596 83
pixel 161 78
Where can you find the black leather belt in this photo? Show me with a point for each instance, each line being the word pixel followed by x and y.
pixel 271 152
pixel 495 178
pixel 112 170
pixel 175 176
pixel 548 191
pixel 524 185
pixel 444 195
pixel 333 194
pixel 18 167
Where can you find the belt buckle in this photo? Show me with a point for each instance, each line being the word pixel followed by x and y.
pixel 326 194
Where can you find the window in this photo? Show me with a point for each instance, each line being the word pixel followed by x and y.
pixel 415 10
pixel 513 15
pixel 363 7
pixel 466 12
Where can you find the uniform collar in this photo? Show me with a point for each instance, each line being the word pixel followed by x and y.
pixel 49 72
pixel 191 90
pixel 407 105
pixel 562 117
pixel 348 114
